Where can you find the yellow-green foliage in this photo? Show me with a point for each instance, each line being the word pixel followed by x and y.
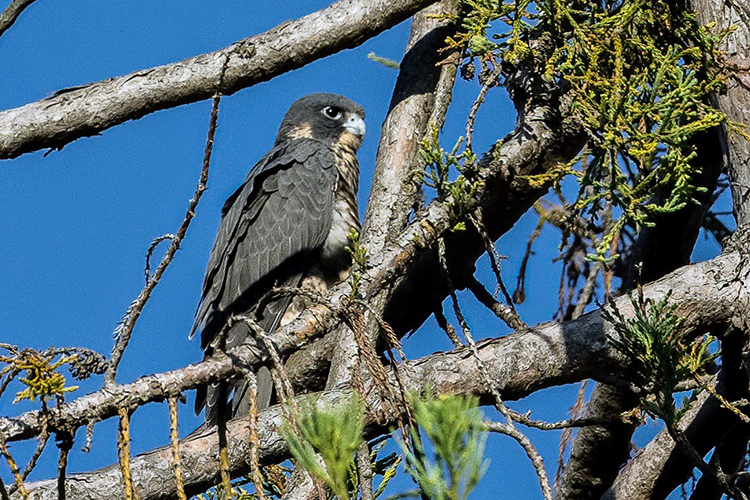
pixel 453 425
pixel 36 370
pixel 360 261
pixel 333 434
pixel 652 341
pixel 638 74
pixel 438 165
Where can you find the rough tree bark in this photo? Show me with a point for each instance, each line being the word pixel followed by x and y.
pixel 735 103
pixel 89 109
pixel 403 259
pixel 520 364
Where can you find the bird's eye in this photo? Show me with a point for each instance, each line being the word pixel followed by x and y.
pixel 332 112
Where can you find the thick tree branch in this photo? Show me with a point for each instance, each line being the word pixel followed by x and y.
pixel 104 403
pixel 710 293
pixel 88 110
pixel 421 97
pixel 544 136
pixel 735 103
pixel 520 364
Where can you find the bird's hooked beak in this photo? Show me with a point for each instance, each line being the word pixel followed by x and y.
pixel 355 125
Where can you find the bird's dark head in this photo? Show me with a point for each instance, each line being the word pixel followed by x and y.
pixel 330 118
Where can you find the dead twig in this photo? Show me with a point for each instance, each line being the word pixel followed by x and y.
pixel 502 311
pixel 489 82
pixel 175 442
pixel 255 472
pixel 124 330
pixel 5 452
pixel 277 368
pixel 534 456
pixel 495 264
pixel 450 332
pixel 150 252
pixel 508 429
pixel 123 452
pixel 525 419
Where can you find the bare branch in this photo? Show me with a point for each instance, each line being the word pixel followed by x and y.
pixel 531 452
pixel 11 14
pixel 125 328
pixel 62 468
pixel 519 364
pixel 525 419
pixel 5 452
pixel 490 81
pixel 87 110
pixel 502 311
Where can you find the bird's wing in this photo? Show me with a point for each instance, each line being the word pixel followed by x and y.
pixel 270 226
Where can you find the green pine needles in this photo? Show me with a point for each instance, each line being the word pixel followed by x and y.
pixel 653 343
pixel 333 434
pixel 453 425
pixel 323 440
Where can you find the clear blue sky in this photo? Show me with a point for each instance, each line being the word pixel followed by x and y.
pixel 76 223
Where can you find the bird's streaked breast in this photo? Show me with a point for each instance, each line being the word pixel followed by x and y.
pixel 345 215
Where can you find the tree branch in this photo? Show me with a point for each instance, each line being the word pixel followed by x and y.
pixel 12 13
pixel 551 354
pixel 89 109
pixel 421 96
pixel 735 102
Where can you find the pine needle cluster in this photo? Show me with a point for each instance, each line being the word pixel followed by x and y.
pixel 658 353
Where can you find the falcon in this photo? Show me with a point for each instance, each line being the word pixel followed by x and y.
pixel 287 225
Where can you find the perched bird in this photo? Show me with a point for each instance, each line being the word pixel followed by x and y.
pixel 287 224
